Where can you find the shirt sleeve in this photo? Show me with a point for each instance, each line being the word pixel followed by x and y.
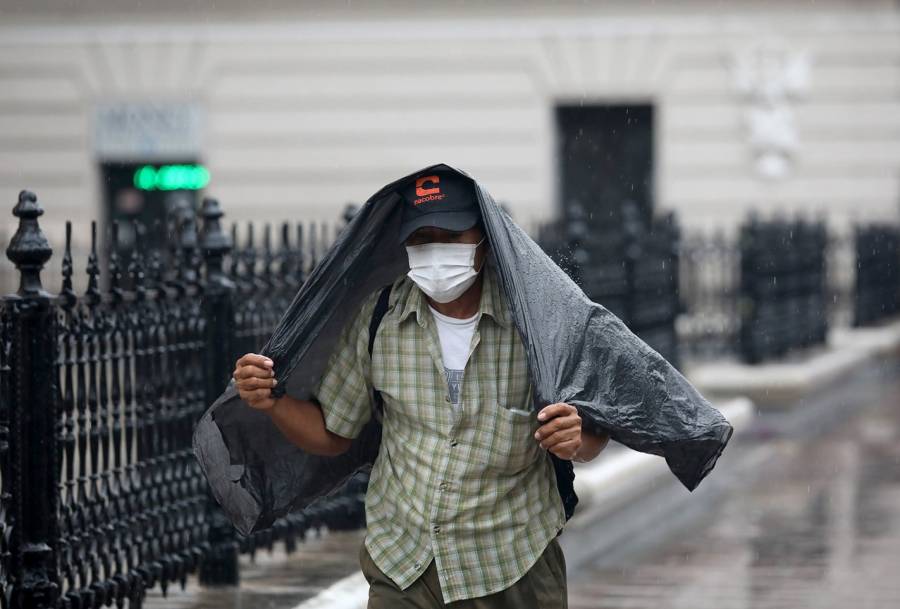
pixel 344 391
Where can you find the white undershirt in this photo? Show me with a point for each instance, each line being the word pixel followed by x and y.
pixel 455 335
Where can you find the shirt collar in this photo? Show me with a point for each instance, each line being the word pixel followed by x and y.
pixel 492 300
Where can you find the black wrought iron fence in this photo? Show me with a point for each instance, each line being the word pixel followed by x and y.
pixel 783 289
pixel 878 273
pixel 797 279
pixel 99 392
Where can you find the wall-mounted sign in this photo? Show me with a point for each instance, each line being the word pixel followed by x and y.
pixel 171 177
pixel 148 130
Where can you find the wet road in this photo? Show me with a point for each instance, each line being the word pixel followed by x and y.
pixel 818 526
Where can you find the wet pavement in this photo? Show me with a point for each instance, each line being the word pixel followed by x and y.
pixel 274 580
pixel 818 525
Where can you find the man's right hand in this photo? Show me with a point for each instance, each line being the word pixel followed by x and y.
pixel 301 421
pixel 255 378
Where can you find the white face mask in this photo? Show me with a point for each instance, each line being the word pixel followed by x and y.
pixel 443 270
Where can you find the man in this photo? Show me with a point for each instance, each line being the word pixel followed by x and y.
pixel 462 508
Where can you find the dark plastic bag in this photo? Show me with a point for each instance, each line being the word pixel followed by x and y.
pixel 578 352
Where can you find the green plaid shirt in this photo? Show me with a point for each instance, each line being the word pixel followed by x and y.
pixel 469 486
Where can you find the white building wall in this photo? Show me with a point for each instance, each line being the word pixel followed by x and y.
pixel 307 114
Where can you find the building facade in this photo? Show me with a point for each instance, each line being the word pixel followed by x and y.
pixel 707 108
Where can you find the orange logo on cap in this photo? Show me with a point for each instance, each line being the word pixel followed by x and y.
pixel 424 192
pixel 428 194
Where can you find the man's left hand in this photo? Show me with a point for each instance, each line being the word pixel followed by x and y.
pixel 561 431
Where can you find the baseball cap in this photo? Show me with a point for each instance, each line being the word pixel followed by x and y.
pixel 440 199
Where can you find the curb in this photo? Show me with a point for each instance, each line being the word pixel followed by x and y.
pixel 772 384
pixel 634 498
pixel 609 484
pixel 352 592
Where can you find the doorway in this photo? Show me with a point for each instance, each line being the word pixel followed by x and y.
pixel 605 157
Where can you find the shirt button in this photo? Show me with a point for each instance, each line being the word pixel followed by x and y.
pixel 436 528
pixel 444 486
pixel 418 564
pixel 453 442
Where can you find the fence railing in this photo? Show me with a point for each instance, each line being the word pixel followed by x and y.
pixel 878 275
pixel 710 276
pixel 782 298
pixel 818 280
pixel 99 392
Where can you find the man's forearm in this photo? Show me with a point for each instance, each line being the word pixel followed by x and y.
pixel 302 422
pixel 591 445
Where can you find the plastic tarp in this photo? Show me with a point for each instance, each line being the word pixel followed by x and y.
pixel 578 352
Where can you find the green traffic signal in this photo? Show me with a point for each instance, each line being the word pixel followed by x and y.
pixel 171 177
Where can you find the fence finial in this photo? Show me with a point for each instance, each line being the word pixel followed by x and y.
pixel 214 242
pixel 29 249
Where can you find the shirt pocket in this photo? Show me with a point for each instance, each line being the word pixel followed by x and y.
pixel 513 447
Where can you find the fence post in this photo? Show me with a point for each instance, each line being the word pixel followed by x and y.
pixel 750 292
pixel 632 250
pixel 220 564
pixel 33 457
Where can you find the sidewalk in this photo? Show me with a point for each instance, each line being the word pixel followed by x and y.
pixel 273 581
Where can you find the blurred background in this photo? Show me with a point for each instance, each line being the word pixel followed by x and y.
pixel 704 108
pixel 724 176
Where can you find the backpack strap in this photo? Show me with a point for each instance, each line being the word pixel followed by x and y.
pixel 381 308
pixel 565 484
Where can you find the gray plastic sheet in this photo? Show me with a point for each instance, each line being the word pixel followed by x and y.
pixel 578 352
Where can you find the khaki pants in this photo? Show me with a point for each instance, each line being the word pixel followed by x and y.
pixel 542 587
